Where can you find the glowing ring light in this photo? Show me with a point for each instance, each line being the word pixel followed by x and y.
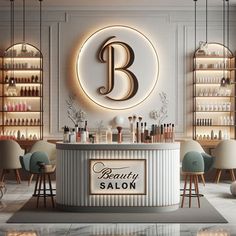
pixel 94 75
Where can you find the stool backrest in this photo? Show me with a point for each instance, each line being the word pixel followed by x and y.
pixel 193 162
pixel 36 158
pixel 25 161
pixel 44 146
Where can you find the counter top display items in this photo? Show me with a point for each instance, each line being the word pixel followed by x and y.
pixel 21 94
pixel 138 132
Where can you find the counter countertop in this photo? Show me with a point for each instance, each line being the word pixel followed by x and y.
pixel 115 146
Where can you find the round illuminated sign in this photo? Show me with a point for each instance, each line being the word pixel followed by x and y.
pixel 117 67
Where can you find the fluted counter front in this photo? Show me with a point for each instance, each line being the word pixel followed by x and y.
pixel 118 177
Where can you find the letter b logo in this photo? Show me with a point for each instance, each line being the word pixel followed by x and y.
pixel 108 48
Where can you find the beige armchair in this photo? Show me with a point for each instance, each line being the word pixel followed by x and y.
pixel 225 158
pixel 10 151
pixel 48 148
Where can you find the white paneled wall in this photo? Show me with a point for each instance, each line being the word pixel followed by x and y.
pixel 171 32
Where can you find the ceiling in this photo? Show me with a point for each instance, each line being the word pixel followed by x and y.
pixel 75 4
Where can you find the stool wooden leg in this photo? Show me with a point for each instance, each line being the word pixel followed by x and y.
pixel 184 192
pixel 18 179
pixel 44 190
pixel 232 175
pixel 3 175
pixel 51 192
pixel 218 174
pixel 203 180
pixel 39 189
pixel 197 189
pixel 36 185
pixel 190 191
pixel 30 179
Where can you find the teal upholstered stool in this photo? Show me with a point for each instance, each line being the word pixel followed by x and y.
pixel 192 168
pixel 38 163
pixel 25 164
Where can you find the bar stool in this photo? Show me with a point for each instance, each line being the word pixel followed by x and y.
pixel 192 168
pixel 46 171
pixel 40 166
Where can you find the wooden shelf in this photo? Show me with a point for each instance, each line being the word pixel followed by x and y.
pixel 21 83
pixel 27 69
pixel 22 125
pixel 21 97
pixel 214 111
pixel 20 111
pixel 21 57
pixel 211 143
pixel 213 57
pixel 214 69
pixel 214 96
pixel 208 126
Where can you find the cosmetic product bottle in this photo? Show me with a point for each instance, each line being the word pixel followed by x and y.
pixel 108 135
pixel 162 139
pixel 83 136
pixel 5 107
pixel 73 136
pixel 21 91
pixel 37 92
pixel 142 133
pixel 165 133
pixel 152 137
pixel 119 135
pixel 220 135
pixel 152 132
pixel 33 91
pixel 158 139
pixel 9 107
pixel 155 133
pixel 173 133
pixel 145 131
pixel 66 135
pixel 212 134
pixel 18 134
pixel 137 132
pixel 86 130
pixel 170 132
pixel 78 135
pixel 26 133
pixel 25 92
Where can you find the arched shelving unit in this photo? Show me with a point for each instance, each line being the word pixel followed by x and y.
pixel 22 93
pixel 213 98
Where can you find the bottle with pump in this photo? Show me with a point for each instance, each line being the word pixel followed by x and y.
pixel 83 136
pixel 66 135
pixel 73 136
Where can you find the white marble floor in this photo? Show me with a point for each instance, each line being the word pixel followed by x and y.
pixel 219 196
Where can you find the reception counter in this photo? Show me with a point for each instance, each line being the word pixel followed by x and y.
pixel 118 177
